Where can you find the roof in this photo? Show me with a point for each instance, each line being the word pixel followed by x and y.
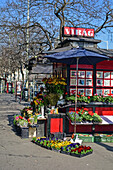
pixel 108 53
pixel 82 39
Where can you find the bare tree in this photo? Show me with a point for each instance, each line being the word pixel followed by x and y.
pixel 46 19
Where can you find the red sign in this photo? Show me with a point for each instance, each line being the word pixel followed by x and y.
pixel 72 31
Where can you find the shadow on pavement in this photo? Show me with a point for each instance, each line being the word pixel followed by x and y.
pixel 15 129
pixel 110 148
pixel 10 119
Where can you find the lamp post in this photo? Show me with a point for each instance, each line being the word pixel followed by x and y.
pixel 27 72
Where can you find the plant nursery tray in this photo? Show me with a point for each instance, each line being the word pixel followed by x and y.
pixel 81 155
pixel 87 138
pixel 64 152
pixel 103 139
pixel 55 150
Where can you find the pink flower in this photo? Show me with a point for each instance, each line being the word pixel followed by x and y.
pixel 17 118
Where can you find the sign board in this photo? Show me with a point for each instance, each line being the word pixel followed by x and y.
pixel 74 31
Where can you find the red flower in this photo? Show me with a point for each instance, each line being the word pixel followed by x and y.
pixel 85 109
pixel 91 113
pixel 28 120
pixel 82 112
pixel 66 93
pixel 20 117
pixel 79 150
pixel 88 97
pixel 88 147
pixel 72 136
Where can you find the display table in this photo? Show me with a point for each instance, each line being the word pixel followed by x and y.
pixel 103 127
pixel 104 110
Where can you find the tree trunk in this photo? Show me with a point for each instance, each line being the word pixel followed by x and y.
pixel 28 86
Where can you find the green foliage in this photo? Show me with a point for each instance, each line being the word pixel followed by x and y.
pixel 53 98
pixel 88 99
pixel 97 118
pixel 84 115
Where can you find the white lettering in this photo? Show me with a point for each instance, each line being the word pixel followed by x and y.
pixel 79 32
pixel 89 33
pixel 67 30
pixel 76 33
pixel 92 34
pixel 72 31
pixel 84 33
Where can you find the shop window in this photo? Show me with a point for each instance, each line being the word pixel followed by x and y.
pixel 104 79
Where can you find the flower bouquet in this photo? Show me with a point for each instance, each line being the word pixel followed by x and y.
pixel 38 102
pixel 27 112
pixel 55 85
pixel 53 98
pixel 20 121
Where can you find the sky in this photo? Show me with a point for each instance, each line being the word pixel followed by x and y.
pixel 107 39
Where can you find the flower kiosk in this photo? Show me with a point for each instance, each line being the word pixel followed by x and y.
pixel 94 83
pixel 55 107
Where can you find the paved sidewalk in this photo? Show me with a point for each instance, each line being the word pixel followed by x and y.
pixel 22 154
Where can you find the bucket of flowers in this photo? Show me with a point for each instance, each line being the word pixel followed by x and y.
pixel 27 112
pixel 55 88
pixel 38 102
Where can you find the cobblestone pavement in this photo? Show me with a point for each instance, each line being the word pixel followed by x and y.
pixel 22 154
